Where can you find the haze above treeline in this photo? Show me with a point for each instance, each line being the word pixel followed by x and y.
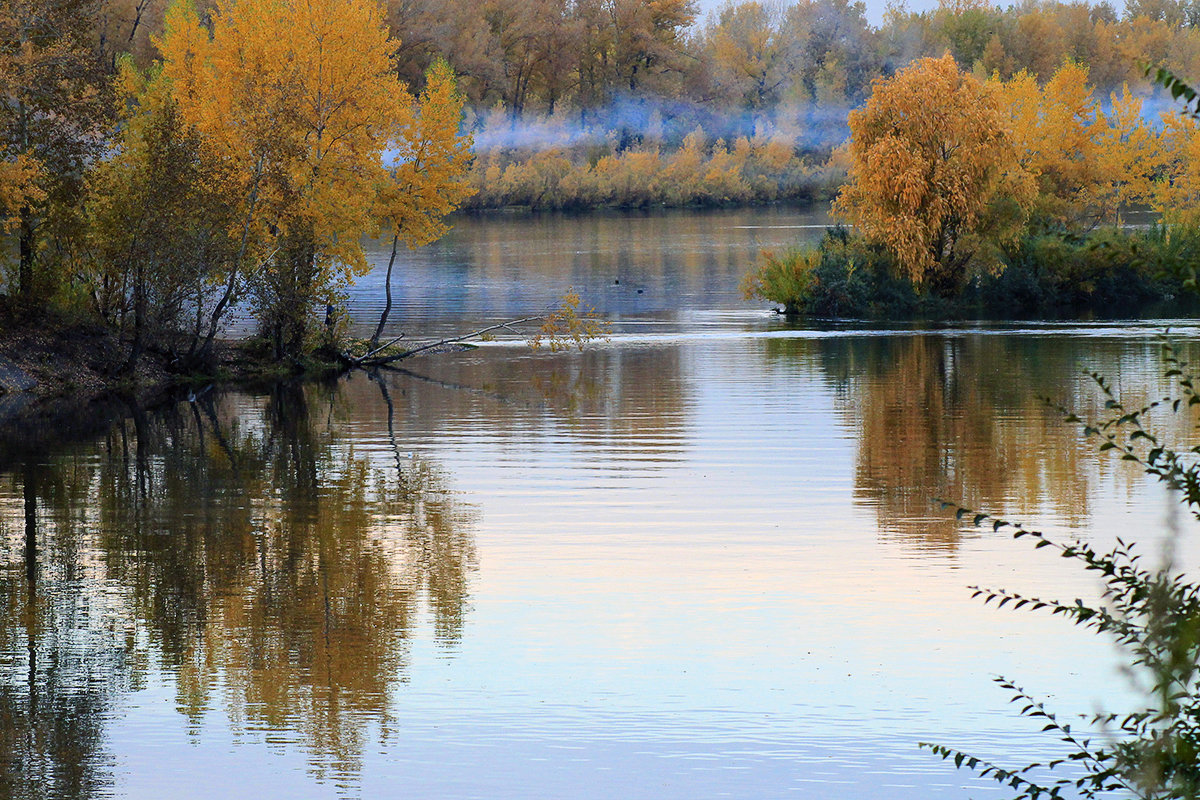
pixel 631 69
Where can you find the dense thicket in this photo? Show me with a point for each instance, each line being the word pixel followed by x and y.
pixel 244 163
pixel 577 104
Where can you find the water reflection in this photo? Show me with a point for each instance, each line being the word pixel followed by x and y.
pixel 965 417
pixel 677 578
pixel 265 562
pixel 62 653
pixel 635 400
pixel 638 268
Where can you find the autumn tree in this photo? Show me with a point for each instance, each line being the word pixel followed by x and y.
pixel 47 67
pixel 126 28
pixel 629 46
pixel 751 54
pixel 839 54
pixel 1130 155
pixel 303 101
pixel 1054 129
pixel 427 173
pixel 933 173
pixel 1177 197
pixel 530 43
pixel 966 26
pixel 1087 163
pixel 159 227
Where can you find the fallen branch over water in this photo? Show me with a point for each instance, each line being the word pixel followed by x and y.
pixel 567 326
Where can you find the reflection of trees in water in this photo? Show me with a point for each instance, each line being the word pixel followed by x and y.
pixel 634 398
pixel 270 560
pixel 62 653
pixel 961 417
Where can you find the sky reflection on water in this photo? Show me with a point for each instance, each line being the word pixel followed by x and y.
pixel 701 566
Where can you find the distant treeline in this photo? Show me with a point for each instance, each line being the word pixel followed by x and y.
pixel 561 94
pixel 547 57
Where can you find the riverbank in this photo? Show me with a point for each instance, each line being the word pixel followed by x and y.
pixel 63 378
pixel 60 379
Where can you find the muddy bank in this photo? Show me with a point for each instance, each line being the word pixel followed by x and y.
pixel 62 379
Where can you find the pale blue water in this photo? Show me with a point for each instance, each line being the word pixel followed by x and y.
pixel 699 560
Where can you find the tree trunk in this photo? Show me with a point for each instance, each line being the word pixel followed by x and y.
pixel 231 285
pixel 139 318
pixel 25 237
pixel 387 289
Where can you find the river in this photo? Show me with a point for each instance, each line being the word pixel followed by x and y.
pixel 699 560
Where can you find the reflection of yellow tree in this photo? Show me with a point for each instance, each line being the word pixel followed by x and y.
pixel 273 563
pixel 961 418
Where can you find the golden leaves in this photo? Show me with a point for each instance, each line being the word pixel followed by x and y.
pixel 572 324
pixel 928 154
pixel 428 163
pixel 943 168
pixel 19 186
pixel 301 100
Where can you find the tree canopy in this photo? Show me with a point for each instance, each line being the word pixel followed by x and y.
pixel 933 171
pixel 302 102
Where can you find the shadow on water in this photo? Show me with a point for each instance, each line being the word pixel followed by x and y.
pixel 237 543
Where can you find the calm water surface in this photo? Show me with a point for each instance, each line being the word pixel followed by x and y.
pixel 698 561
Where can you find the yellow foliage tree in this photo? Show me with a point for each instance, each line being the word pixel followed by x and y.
pixel 428 166
pixel 160 232
pixel 934 175
pixel 1177 197
pixel 51 121
pixel 1054 131
pixel 1087 164
pixel 1130 158
pixel 301 96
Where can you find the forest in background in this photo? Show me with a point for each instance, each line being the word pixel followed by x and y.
pixel 235 153
pixel 632 103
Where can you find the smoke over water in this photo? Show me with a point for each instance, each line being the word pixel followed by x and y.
pixel 639 121
pixel 628 122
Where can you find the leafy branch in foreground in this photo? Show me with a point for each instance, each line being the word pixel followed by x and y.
pixel 1178 87
pixel 1153 613
pixel 573 324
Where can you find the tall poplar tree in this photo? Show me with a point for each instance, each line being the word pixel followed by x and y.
pixel 302 99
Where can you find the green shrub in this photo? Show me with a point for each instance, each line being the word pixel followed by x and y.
pixel 1109 273
pixel 786 279
pixel 859 279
